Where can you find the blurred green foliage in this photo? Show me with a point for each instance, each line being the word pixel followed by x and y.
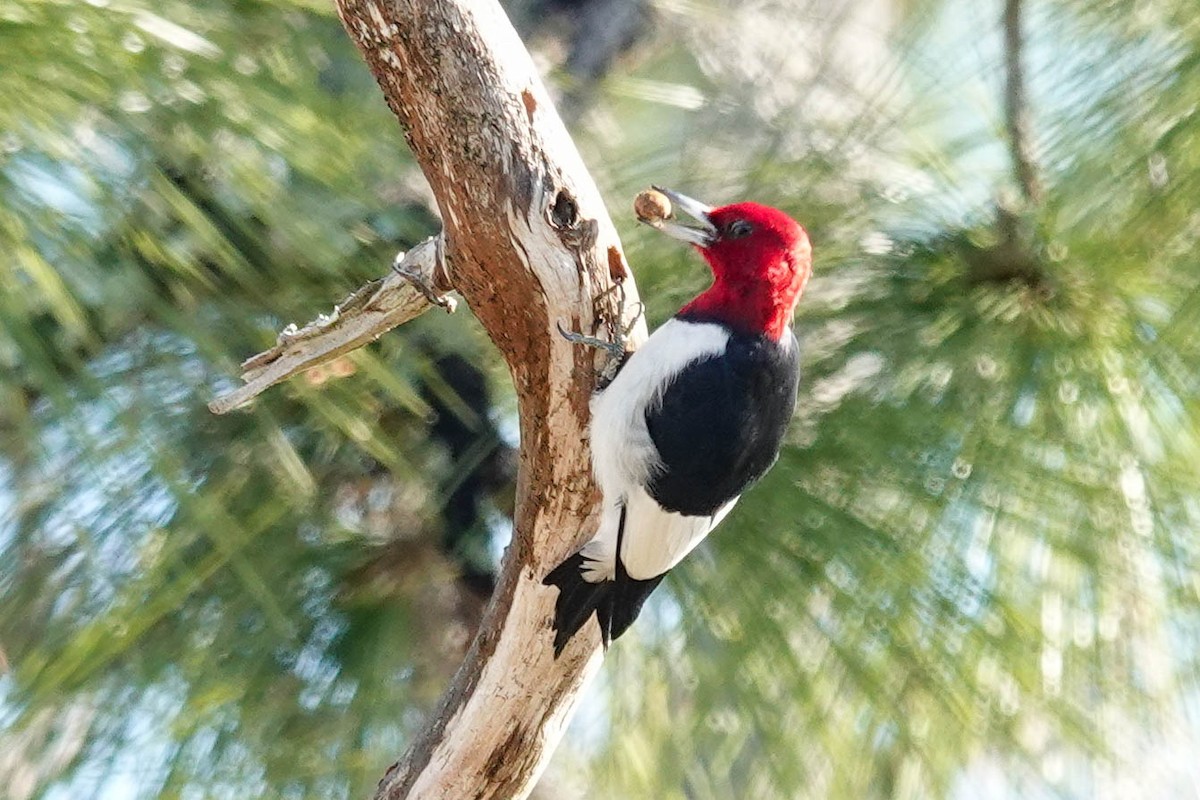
pixel 972 573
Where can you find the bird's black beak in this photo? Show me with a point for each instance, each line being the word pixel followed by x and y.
pixel 701 235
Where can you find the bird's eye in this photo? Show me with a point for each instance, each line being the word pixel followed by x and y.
pixel 739 229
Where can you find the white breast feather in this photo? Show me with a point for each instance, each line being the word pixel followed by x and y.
pixel 623 454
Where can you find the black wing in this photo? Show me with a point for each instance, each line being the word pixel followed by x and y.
pixel 721 423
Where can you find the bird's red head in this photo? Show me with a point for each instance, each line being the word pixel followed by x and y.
pixel 760 258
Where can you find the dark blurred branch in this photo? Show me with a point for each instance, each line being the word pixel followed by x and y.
pixel 364 316
pixel 595 33
pixel 604 30
pixel 1016 108
pixel 1015 255
pixel 482 464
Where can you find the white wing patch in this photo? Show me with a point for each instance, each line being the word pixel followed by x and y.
pixel 656 540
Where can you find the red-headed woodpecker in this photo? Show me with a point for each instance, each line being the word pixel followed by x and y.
pixel 694 417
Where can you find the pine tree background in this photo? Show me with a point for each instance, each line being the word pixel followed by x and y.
pixel 973 572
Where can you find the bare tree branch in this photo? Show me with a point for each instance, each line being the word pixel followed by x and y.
pixel 364 316
pixel 531 246
pixel 1016 108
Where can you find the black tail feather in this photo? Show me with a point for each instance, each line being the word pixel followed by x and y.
pixel 577 599
pixel 616 603
pixel 628 597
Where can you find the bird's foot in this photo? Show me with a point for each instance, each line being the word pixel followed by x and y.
pixel 615 349
pixel 633 321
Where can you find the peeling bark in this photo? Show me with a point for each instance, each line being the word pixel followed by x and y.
pixel 530 245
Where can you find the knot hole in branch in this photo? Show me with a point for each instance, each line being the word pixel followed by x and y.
pixel 575 232
pixel 564 214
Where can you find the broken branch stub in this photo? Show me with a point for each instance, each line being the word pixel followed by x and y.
pixel 416 283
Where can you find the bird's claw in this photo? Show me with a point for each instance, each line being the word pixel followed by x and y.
pixel 633 320
pixel 615 349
